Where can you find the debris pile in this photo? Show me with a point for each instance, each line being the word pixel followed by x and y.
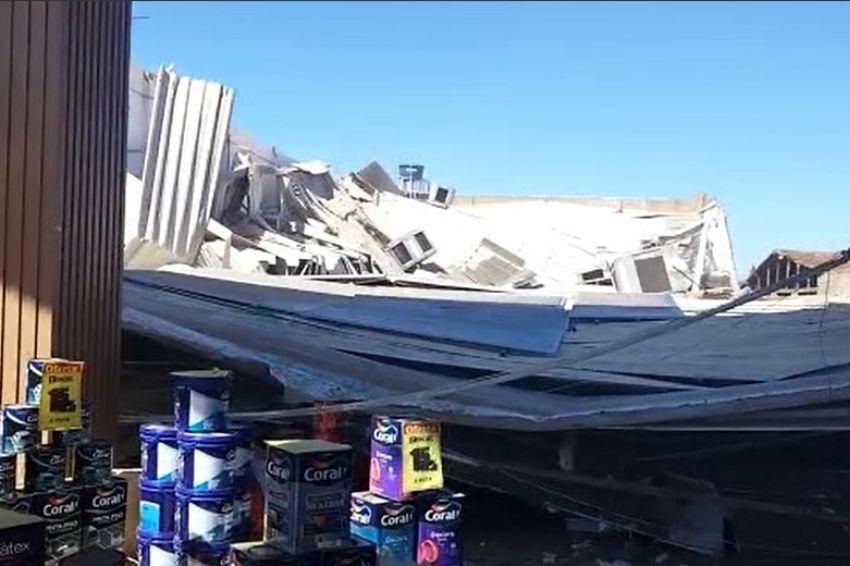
pixel 208 197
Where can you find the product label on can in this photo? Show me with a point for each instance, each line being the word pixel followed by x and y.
pixel 104 515
pixel 308 494
pixel 207 521
pixel 20 428
pixel 439 541
pixel 158 556
pixel 63 520
pixel 93 463
pixel 60 400
pixel 206 412
pixel 44 469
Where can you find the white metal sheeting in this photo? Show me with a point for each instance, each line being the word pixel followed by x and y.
pixel 186 141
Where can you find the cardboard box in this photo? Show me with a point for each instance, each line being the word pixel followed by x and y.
pixel 389 525
pixel 21 539
pixel 405 457
pixel 308 491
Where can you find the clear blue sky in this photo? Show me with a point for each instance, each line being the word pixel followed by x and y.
pixel 749 102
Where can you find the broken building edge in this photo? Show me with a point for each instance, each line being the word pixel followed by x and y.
pixel 364 287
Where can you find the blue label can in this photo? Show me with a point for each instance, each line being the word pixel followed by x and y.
pixel 205 461
pixel 156 550
pixel 205 516
pixel 159 453
pixel 156 508
pixel 20 428
pixel 201 400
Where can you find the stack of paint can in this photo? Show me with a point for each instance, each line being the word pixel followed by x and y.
pixel 67 481
pixel 157 498
pixel 406 513
pixel 195 488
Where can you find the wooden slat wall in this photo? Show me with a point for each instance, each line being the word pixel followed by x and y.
pixel 63 106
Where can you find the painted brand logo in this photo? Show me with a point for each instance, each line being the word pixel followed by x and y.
pixel 13 548
pixel 385 432
pixel 279 469
pixel 421 428
pixel 330 471
pixel 398 517
pixel 361 513
pixel 101 454
pixel 60 506
pixel 51 460
pixel 110 498
pixel 445 512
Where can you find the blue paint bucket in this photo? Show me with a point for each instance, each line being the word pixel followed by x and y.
pixel 159 453
pixel 201 400
pixel 242 464
pixel 156 508
pixel 156 550
pixel 195 553
pixel 205 516
pixel 205 460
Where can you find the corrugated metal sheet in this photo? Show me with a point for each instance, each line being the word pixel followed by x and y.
pixel 63 98
pixel 185 148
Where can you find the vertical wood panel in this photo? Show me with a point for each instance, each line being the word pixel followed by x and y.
pixel 31 228
pixel 5 113
pixel 14 202
pixel 63 111
pixel 55 79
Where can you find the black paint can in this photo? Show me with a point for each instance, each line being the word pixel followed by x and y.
pixel 20 428
pixel 93 462
pixel 8 473
pixel 45 469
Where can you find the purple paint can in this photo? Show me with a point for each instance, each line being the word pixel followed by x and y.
pixel 438 532
pixel 157 505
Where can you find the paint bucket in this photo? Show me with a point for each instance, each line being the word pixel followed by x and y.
pixel 93 463
pixel 201 400
pixel 156 550
pixel 242 463
pixel 159 453
pixel 44 469
pixel 20 428
pixel 8 474
pixel 205 460
pixel 156 508
pixel 205 516
pixel 195 553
